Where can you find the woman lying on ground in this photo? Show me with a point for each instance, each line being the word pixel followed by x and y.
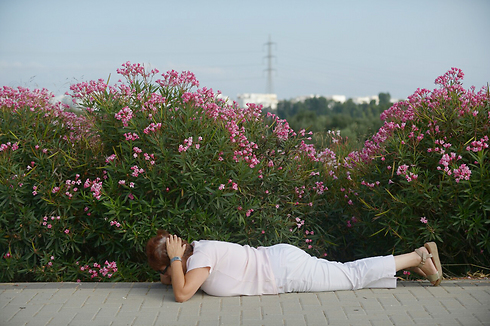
pixel 228 269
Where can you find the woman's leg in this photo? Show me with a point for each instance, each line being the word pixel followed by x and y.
pixel 413 259
pixel 297 271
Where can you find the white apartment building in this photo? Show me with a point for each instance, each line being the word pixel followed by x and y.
pixel 267 100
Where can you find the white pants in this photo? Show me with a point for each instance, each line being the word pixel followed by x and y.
pixel 297 271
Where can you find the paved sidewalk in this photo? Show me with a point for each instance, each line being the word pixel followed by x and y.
pixel 459 302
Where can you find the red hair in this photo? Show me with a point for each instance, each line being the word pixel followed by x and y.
pixel 156 250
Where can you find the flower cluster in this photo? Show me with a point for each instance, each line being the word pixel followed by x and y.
pixel 446 160
pixel 131 136
pixel 188 144
pixel 137 171
pixel 403 171
pixel 152 127
pixel 98 271
pixel 462 172
pixel 172 78
pixel 14 146
pixel 125 115
pixel 478 145
pixel 95 187
pixel 46 221
pixel 133 71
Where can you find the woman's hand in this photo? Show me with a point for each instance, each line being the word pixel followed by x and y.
pixel 175 247
pixel 184 285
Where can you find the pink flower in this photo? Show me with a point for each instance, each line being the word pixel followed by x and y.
pixel 137 150
pixel 110 158
pixel 402 169
pixel 221 187
pixel 67 231
pixel 423 220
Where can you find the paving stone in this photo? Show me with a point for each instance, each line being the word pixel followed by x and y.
pixel 272 309
pixel 40 320
pixel 401 318
pixel 380 322
pixel 294 320
pixel 308 299
pixel 468 320
pixel 208 323
pixel 252 313
pixel 316 317
pixel 371 305
pixel 226 320
pixel 276 321
pixel 76 301
pixel 230 302
pixel 49 310
pixel 145 320
pixel 20 315
pixel 61 319
pixel 335 316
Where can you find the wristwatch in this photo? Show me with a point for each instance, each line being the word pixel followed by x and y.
pixel 174 259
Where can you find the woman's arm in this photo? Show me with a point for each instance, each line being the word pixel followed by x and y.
pixel 184 285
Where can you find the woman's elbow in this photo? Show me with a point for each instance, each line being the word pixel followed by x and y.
pixel 181 298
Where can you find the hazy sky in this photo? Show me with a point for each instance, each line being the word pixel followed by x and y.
pixel 352 48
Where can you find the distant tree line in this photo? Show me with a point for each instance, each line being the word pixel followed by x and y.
pixel 319 115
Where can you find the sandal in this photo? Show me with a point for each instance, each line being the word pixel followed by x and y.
pixel 434 255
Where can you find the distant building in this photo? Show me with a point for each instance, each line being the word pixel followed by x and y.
pixel 267 100
pixel 227 99
pixel 365 99
pixel 335 98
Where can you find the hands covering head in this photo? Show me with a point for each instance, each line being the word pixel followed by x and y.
pixel 175 247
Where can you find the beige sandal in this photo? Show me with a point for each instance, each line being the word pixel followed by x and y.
pixel 431 247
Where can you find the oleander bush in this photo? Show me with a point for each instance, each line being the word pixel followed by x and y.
pixel 426 174
pixel 82 190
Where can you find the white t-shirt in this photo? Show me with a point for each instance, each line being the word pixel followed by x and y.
pixel 234 269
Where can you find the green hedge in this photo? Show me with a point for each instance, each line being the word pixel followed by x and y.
pixel 81 192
